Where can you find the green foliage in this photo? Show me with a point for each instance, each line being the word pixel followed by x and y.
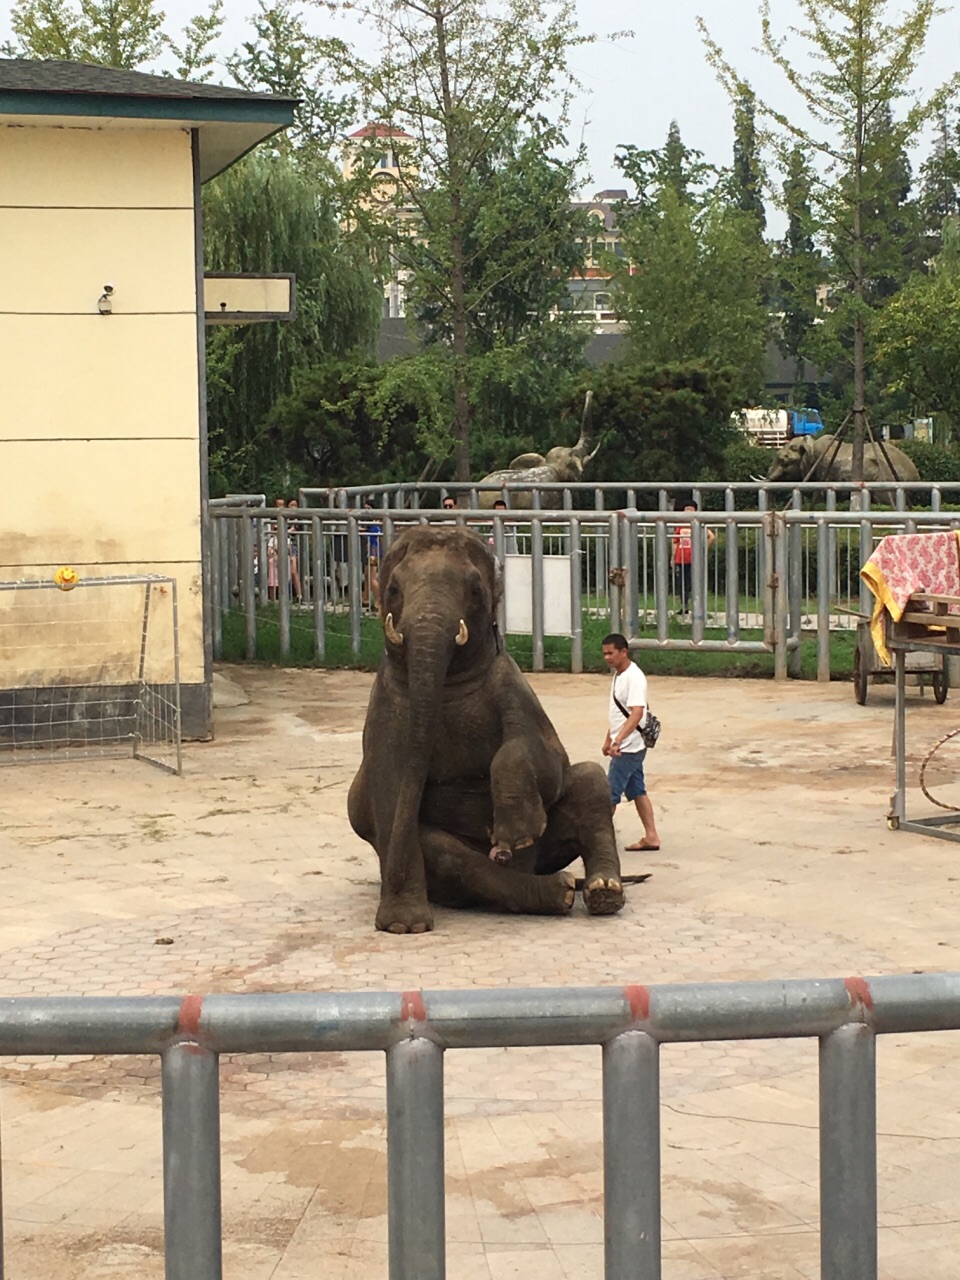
pixel 934 462
pixel 747 175
pixel 662 422
pixel 919 340
pixel 195 56
pixel 283 57
pixel 800 266
pixel 697 294
pixel 467 84
pixel 268 214
pixel 116 33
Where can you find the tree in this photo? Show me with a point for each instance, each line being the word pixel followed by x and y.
pixel 691 284
pixel 862 64
pixel 747 172
pixel 285 58
pixel 800 265
pixel 458 79
pixel 940 183
pixel 663 422
pixel 919 335
pixel 266 213
pixel 115 33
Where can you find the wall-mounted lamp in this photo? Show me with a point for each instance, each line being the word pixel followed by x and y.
pixel 104 302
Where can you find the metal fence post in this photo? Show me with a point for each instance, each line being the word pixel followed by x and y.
pixel 781 598
pixel 191 1163
pixel 616 592
pixel 319 588
pixel 576 598
pixel 249 586
pixel 866 551
pixel 698 572
pixel 795 585
pixel 415 1183
pixel 631 1157
pixel 537 588
pixel 354 583
pixel 848 1154
pixel 732 570
pixel 283 580
pixel 823 600
pixel 628 535
pixel 216 617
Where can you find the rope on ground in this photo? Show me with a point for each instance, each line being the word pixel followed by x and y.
pixel 952 808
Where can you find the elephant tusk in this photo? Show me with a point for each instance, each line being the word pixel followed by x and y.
pixel 390 631
pixel 463 635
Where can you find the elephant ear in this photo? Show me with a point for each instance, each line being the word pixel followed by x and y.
pixel 524 461
pixel 488 564
pixel 396 554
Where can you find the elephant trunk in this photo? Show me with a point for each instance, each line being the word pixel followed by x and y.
pixel 429 643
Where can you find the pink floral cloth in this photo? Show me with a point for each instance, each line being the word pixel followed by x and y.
pixel 903 564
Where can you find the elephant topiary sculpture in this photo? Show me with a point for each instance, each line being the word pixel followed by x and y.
pixel 465 790
pixel 810 457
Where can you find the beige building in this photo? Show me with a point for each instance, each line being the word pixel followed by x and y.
pixel 381 154
pixel 103 422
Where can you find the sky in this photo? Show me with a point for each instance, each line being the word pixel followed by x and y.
pixel 633 87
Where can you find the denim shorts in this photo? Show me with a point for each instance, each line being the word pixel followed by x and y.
pixel 626 776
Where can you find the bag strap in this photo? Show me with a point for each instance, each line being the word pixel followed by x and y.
pixel 623 710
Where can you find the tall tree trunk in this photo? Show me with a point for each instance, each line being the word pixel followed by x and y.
pixel 859 344
pixel 459 317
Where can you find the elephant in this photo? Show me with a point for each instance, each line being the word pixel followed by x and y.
pixel 806 457
pixel 563 465
pixel 465 790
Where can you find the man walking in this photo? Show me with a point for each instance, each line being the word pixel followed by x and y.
pixel 623 743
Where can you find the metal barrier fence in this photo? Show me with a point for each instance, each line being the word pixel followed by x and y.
pixel 718 495
pixel 758 582
pixel 414 1029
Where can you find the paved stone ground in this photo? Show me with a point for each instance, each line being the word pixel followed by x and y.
pixel 776 862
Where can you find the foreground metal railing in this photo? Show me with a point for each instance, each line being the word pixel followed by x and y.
pixel 414 1028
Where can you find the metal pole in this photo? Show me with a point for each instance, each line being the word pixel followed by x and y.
pixel 191 1163
pixel 354 583
pixel 628 534
pixel 319 589
pixel 537 588
pixel 283 578
pixel 823 601
pixel 698 571
pixel 616 595
pixel 848 1154
pixel 576 599
pixel 249 587
pixel 631 1157
pixel 732 540
pixel 216 615
pixel 866 550
pixel 795 584
pixel 781 598
pixel 415 1183
pixel 661 578
pixel 900 734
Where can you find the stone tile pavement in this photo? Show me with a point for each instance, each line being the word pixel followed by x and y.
pixel 244 876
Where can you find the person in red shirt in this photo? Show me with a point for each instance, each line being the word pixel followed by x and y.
pixel 683 559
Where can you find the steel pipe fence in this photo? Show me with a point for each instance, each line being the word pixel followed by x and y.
pixel 720 495
pixel 300 583
pixel 414 1029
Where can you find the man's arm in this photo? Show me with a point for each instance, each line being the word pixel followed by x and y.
pixel 631 723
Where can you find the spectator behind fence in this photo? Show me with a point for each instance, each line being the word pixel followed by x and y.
pixel 683 535
pixel 294 527
pixel 370 537
pixel 509 531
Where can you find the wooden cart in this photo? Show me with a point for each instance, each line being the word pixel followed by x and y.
pixel 927 667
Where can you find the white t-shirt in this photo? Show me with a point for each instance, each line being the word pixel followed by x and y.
pixel 630 686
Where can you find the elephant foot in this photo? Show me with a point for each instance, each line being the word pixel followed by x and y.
pixel 404 915
pixel 559 892
pixel 603 896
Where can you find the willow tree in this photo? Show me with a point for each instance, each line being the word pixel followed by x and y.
pixel 265 214
pixel 855 68
pixel 452 82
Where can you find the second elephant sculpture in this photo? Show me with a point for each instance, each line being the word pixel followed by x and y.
pixel 810 457
pixel 465 790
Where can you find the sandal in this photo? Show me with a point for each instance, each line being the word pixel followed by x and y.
pixel 641 846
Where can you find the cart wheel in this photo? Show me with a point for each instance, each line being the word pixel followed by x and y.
pixel 860 678
pixel 940 686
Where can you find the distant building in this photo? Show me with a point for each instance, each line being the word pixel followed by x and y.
pixel 378 149
pixel 590 291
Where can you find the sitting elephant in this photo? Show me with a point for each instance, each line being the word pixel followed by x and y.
pixel 563 465
pixel 465 790
pixel 807 457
